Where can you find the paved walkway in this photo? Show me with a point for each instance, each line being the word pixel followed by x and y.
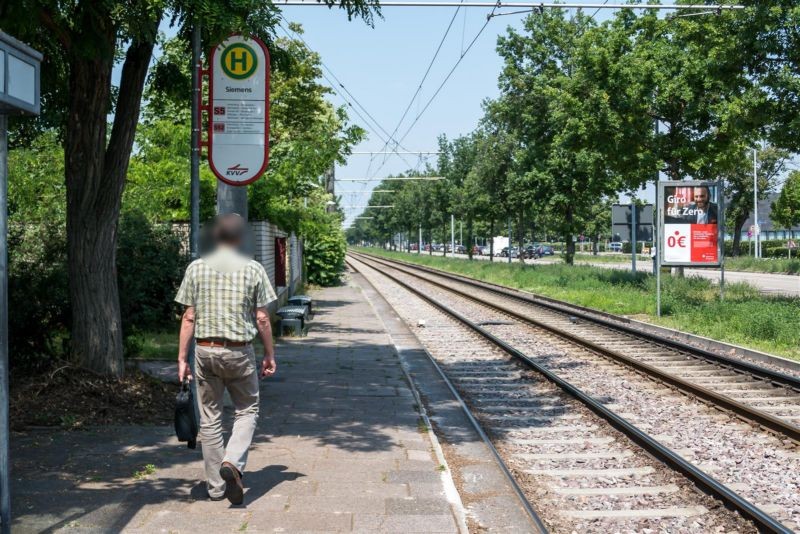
pixel 338 448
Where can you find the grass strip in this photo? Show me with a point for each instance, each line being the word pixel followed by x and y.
pixel 741 263
pixel 767 323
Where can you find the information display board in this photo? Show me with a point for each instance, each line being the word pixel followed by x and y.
pixel 238 126
pixel 691 223
pixel 622 217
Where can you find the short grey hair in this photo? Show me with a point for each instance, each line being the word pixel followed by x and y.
pixel 229 229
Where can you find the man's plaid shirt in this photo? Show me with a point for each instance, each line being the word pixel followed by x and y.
pixel 226 295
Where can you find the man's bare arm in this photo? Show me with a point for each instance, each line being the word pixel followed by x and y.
pixel 184 340
pixel 264 326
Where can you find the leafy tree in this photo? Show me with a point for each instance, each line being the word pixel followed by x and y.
pixel 308 135
pixel 157 177
pixel 786 209
pixel 739 187
pixel 82 42
pixel 562 160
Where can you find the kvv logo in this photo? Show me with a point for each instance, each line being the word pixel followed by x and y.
pixel 236 170
pixel 239 61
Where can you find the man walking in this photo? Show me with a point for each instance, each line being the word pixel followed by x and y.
pixel 226 294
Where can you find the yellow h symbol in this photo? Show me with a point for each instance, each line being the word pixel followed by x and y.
pixel 238 59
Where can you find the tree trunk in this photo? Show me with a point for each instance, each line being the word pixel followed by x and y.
pixel 491 237
pixel 95 171
pixel 430 242
pixel 738 224
pixel 521 235
pixel 470 237
pixel 570 255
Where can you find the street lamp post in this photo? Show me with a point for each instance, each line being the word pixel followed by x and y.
pixel 19 95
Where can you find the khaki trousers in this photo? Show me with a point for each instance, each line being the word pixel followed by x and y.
pixel 217 369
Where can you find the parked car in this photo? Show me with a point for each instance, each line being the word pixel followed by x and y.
pixel 476 250
pixel 413 247
pixel 546 250
pixel 531 252
pixel 615 246
pixel 461 249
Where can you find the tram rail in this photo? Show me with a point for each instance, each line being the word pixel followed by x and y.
pixel 702 480
pixel 757 394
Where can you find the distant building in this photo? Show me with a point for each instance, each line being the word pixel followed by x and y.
pixel 768 228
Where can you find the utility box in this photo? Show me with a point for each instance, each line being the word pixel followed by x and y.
pixel 19 77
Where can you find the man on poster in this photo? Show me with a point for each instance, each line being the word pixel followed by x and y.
pixel 701 210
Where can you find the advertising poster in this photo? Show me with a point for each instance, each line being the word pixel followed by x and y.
pixel 691 223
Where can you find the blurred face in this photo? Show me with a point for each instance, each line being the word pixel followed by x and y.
pixel 701 197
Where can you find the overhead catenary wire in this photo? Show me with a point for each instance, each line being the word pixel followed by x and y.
pixel 422 81
pixel 449 74
pixel 542 5
pixel 292 34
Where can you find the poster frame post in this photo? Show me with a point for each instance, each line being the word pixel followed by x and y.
pixel 721 239
pixel 634 222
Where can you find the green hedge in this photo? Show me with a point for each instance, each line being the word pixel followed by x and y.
pixel 772 248
pixel 324 257
pixel 149 265
pixel 626 247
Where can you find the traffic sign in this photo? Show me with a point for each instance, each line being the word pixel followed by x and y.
pixel 238 125
pixel 791 244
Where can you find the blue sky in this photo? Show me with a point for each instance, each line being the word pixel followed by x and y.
pixel 382 66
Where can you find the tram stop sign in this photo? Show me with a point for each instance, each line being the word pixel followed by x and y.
pixel 238 126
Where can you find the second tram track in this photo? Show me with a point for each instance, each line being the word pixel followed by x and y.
pixel 530 422
pixel 757 394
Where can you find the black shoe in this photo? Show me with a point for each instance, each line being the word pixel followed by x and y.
pixel 234 491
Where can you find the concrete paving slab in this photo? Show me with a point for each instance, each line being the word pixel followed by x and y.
pixel 337 449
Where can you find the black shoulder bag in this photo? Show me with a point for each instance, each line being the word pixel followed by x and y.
pixel 185 418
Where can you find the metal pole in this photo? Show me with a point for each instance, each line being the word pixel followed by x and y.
pixel 509 240
pixel 419 247
pixel 194 170
pixel 721 238
pixel 460 232
pixel 633 235
pixel 453 234
pixel 657 237
pixel 5 486
pixel 757 227
pixel 194 203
